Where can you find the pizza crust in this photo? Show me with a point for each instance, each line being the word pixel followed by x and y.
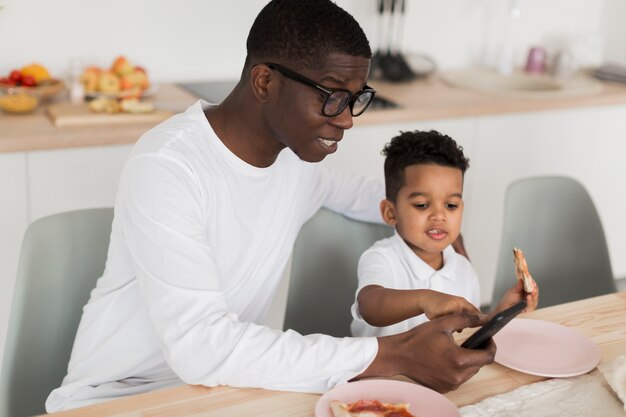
pixel 369 408
pixel 521 270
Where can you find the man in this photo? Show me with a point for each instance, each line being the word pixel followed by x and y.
pixel 209 205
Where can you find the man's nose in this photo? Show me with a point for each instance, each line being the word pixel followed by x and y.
pixel 344 119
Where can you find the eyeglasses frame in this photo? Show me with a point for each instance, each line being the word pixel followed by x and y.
pixel 327 91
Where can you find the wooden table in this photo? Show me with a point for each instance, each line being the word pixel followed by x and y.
pixel 603 319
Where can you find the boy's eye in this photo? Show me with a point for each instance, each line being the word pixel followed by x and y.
pixel 452 206
pixel 420 206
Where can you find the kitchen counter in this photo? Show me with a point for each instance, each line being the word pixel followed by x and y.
pixel 432 99
pixel 36 131
pixel 429 99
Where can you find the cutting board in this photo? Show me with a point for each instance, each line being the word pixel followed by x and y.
pixel 79 115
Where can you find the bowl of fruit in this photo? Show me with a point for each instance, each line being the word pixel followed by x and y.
pixel 17 101
pixel 122 80
pixel 31 80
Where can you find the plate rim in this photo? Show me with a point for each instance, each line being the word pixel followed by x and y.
pixel 564 374
pixel 322 400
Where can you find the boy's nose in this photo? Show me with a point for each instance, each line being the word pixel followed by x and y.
pixel 438 214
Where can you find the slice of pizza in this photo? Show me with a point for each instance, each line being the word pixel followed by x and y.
pixel 521 270
pixel 369 408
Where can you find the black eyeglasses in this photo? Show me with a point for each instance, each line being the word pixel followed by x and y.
pixel 336 99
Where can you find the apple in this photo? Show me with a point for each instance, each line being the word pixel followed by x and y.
pixel 141 78
pixel 108 82
pixel 90 78
pixel 121 66
pixel 127 82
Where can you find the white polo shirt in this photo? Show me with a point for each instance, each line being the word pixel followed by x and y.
pixel 391 263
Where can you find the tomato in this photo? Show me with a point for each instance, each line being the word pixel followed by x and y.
pixel 7 81
pixel 16 76
pixel 29 81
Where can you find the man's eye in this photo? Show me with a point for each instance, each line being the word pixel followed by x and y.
pixel 332 100
pixel 421 206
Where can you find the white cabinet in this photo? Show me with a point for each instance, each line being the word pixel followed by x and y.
pixel 70 179
pixel 39 183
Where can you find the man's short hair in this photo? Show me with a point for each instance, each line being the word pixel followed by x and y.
pixel 301 33
pixel 419 147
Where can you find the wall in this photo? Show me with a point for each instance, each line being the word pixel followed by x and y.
pixel 205 39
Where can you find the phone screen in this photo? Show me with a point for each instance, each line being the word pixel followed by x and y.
pixel 489 329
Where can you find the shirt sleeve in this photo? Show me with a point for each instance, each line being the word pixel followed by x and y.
pixel 373 269
pixel 161 210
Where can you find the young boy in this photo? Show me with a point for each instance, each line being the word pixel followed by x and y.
pixel 416 275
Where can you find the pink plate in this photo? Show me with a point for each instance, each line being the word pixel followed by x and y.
pixel 422 401
pixel 543 348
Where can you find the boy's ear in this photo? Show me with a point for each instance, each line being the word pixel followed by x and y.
pixel 388 212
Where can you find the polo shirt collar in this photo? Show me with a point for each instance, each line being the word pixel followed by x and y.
pixel 420 269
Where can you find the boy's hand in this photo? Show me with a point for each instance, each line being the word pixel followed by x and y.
pixel 437 304
pixel 516 294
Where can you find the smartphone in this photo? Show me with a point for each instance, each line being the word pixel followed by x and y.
pixel 489 329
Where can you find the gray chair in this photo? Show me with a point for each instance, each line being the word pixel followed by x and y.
pixel 61 258
pixel 324 272
pixel 555 223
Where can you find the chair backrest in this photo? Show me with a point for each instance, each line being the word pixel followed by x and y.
pixel 324 272
pixel 61 258
pixel 555 223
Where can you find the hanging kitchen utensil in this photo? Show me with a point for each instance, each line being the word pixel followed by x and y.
pixel 393 64
pixel 407 72
pixel 376 71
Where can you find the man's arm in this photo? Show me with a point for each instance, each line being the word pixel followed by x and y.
pixel 380 306
pixel 429 355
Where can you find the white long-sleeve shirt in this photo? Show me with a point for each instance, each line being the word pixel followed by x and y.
pixel 199 243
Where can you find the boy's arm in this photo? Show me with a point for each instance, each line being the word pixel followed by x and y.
pixel 380 306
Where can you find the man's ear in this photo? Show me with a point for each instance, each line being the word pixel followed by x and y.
pixel 260 80
pixel 388 212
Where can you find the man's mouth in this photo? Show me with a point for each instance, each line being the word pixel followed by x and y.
pixel 327 142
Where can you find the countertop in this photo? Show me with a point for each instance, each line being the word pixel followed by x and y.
pixel 432 99
pixel 35 131
pixel 428 99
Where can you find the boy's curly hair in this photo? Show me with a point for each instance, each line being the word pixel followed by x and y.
pixel 419 147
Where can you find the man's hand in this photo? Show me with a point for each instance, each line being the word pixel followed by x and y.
pixel 429 355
